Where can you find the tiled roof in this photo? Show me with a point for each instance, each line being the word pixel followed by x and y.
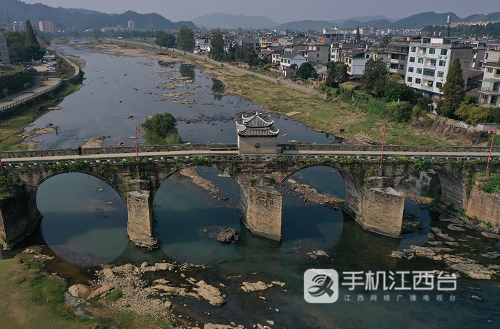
pixel 256 125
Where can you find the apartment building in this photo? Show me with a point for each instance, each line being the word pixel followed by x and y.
pixel 429 61
pixel 318 52
pixel 396 57
pixel 356 62
pixel 47 27
pixel 490 88
pixel 329 36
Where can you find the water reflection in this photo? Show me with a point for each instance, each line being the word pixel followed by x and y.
pixel 218 89
pixel 120 92
pixel 84 219
pixel 187 71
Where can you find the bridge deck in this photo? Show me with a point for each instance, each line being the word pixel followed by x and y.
pixel 219 153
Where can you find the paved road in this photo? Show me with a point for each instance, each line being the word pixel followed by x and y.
pixel 198 152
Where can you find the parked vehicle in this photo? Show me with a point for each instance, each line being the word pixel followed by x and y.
pixel 32 69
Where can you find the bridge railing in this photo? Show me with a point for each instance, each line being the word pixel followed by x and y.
pixel 389 148
pixel 31 96
pixel 121 149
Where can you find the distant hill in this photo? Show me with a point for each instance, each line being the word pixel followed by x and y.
pixel 365 19
pixel 76 20
pixel 308 24
pixel 350 24
pixel 482 17
pixel 79 10
pixel 379 23
pixel 228 21
pixel 421 20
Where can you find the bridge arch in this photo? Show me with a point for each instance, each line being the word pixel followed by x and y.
pixel 352 186
pixel 120 192
pixel 453 187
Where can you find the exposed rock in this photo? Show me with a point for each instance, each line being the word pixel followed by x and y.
pixel 278 283
pixel 254 286
pixel 108 273
pixel 398 254
pixel 105 288
pixel 469 267
pixel 455 228
pixel 453 220
pixel 228 236
pixel 210 293
pixel 410 223
pixel 491 235
pixel 221 326
pixel 80 291
pixel 314 254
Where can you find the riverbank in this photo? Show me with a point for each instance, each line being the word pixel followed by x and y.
pixel 33 297
pixel 334 117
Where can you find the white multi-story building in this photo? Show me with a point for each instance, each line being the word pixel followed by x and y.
pixel 47 27
pixel 429 61
pixel 356 62
pixel 490 88
pixel 131 25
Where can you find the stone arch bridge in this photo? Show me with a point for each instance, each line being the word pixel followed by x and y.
pixel 370 195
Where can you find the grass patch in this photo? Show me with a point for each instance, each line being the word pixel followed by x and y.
pixel 115 295
pixel 130 320
pixel 11 128
pixel 31 299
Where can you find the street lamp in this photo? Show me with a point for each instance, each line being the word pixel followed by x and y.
pixel 494 132
pixel 137 129
pixel 382 128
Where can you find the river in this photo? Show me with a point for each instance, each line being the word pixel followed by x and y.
pixel 87 225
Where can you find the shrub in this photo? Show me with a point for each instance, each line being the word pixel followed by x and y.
pixel 346 91
pixel 161 129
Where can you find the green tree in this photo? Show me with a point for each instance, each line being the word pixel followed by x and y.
pixel 385 41
pixel 473 114
pixel 30 35
pixel 96 33
pixel 306 71
pixel 495 115
pixel 161 129
pixel 217 43
pixel 186 39
pixel 453 89
pixel 331 74
pixel 396 91
pixel 342 75
pixel 374 76
pixel 250 55
pixel 164 39
pixel 358 36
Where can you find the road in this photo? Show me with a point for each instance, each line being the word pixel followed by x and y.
pixel 216 153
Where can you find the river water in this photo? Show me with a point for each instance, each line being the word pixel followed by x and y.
pixel 87 225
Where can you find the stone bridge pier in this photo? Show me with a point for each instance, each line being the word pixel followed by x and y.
pixel 140 226
pixel 19 214
pixel 376 206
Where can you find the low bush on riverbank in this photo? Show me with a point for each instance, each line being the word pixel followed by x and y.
pixel 492 185
pixel 14 81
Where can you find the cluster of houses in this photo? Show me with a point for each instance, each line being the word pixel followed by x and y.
pixel 423 62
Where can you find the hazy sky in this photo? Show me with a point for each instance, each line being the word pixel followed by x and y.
pixel 282 11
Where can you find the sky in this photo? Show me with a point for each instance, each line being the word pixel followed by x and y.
pixel 282 11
